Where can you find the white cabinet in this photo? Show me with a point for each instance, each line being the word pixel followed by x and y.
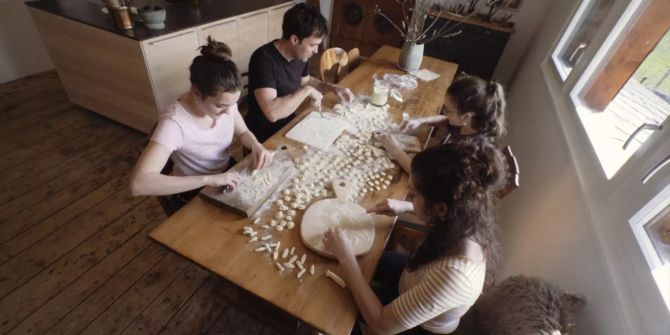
pixel 275 18
pixel 168 58
pixel 253 32
pixel 223 31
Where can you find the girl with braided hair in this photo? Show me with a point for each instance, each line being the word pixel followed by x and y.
pixel 453 189
pixel 474 109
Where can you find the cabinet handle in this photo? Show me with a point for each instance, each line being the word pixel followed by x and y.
pixel 171 37
pixel 252 15
pixel 651 172
pixel 290 4
pixel 218 24
pixel 632 136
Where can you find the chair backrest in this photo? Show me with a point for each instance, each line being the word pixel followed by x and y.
pixel 512 177
pixel 354 59
pixel 331 58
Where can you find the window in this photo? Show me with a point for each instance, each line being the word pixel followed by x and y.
pixel 623 96
pixel 610 83
pixel 651 226
pixel 582 30
pixel 640 108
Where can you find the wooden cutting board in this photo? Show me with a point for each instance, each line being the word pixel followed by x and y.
pixel 254 189
pixel 339 213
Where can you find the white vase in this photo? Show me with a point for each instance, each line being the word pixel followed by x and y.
pixel 154 19
pixel 411 56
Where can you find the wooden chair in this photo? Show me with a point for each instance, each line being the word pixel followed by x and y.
pixel 409 232
pixel 354 59
pixel 512 168
pixel 333 57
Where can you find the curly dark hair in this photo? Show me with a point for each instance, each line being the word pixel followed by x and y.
pixel 465 177
pixel 303 21
pixel 486 99
pixel 213 70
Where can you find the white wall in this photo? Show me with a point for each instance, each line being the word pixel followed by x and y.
pixel 526 24
pixel 326 7
pixel 22 52
pixel 547 229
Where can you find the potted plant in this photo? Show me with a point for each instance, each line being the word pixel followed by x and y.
pixel 419 27
pixel 153 16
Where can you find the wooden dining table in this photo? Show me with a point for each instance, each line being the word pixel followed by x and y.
pixel 211 236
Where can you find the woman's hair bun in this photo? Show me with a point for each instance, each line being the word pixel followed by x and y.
pixel 216 49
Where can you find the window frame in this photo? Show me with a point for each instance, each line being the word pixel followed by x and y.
pixel 566 92
pixel 596 190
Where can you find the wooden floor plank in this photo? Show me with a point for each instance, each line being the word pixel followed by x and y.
pixel 19 107
pixel 18 179
pixel 80 142
pixel 127 307
pixel 267 330
pixel 61 304
pixel 30 262
pixel 66 266
pixel 17 98
pixel 165 306
pixel 18 304
pixel 27 131
pixel 234 321
pixel 21 213
pixel 90 164
pixel 199 313
pixel 61 218
pixel 95 304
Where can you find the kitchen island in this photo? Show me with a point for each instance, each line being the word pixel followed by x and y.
pixel 131 75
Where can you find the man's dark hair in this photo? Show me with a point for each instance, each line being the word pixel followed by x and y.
pixel 303 21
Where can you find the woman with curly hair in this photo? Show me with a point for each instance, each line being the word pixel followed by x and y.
pixel 474 109
pixel 453 189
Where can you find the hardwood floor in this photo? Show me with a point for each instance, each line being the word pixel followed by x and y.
pixel 74 252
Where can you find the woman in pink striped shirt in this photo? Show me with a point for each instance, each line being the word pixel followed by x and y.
pixel 197 130
pixel 452 188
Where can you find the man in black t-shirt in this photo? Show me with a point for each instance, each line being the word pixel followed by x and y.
pixel 279 80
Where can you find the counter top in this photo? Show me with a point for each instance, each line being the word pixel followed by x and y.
pixel 180 16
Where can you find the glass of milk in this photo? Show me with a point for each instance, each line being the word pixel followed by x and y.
pixel 380 92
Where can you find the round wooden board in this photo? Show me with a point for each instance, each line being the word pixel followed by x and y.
pixel 353 219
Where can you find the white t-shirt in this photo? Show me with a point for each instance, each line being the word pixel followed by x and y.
pixel 195 150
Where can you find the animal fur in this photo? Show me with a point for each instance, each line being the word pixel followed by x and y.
pixel 521 305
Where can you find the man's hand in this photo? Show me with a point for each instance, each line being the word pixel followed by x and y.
pixel 315 96
pixel 344 94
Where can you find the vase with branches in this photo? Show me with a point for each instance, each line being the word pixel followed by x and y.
pixel 421 23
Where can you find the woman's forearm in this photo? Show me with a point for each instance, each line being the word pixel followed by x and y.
pixel 433 120
pixel 367 301
pixel 249 141
pixel 160 184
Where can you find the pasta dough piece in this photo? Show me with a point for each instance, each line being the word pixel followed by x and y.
pixel 337 279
